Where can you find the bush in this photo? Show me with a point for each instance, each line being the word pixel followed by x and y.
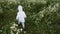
pixel 43 16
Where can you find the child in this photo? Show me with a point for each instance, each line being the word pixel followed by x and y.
pixel 21 16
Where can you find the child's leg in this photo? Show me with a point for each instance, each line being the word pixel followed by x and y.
pixel 23 25
pixel 19 24
pixel 24 29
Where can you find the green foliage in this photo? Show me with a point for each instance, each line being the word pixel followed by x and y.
pixel 43 16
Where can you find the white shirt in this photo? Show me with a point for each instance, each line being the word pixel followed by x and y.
pixel 20 15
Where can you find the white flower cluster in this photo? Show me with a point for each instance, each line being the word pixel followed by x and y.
pixel 13 28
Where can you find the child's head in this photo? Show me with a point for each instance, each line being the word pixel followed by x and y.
pixel 20 8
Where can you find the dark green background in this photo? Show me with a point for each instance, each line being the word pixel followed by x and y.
pixel 42 17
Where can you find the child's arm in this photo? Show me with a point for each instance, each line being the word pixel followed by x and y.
pixel 25 15
pixel 17 17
